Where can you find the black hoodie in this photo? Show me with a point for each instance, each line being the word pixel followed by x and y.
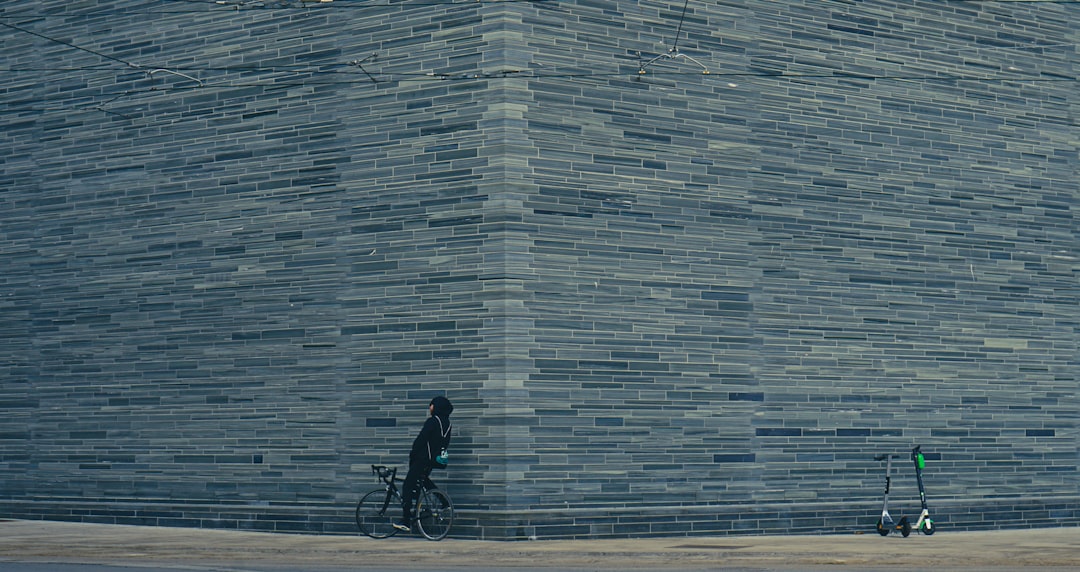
pixel 434 435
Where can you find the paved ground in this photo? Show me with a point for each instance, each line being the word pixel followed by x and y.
pixel 152 548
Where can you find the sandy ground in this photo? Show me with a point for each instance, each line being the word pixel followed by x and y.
pixel 36 541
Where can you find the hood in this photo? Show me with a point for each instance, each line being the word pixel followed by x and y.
pixel 443 407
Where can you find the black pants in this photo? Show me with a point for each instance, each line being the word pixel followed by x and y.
pixel 418 473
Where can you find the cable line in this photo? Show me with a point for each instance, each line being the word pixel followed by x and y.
pixel 69 44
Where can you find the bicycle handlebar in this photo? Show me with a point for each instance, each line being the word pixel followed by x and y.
pixel 386 474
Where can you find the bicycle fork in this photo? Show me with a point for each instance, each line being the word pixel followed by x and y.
pixel 386 501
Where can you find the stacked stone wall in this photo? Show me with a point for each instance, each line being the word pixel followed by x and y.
pixel 243 244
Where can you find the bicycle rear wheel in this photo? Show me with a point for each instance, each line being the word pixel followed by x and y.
pixel 373 514
pixel 434 514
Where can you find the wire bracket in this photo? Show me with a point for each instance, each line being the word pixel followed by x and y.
pixel 360 64
pixel 150 73
pixel 673 52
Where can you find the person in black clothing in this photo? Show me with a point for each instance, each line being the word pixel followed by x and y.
pixel 433 437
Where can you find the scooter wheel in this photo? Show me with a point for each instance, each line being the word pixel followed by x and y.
pixel 928 527
pixel 882 529
pixel 905 527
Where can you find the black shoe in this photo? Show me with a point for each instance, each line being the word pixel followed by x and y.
pixel 402 526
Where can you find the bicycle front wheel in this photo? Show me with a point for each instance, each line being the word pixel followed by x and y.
pixel 374 514
pixel 434 514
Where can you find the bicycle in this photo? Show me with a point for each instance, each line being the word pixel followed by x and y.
pixel 376 510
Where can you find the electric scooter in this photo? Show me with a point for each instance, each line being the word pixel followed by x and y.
pixel 925 525
pixel 886 524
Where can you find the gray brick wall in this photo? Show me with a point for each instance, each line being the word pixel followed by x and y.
pixel 663 303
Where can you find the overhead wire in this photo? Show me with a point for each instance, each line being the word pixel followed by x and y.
pixel 370 76
pixel 382 79
pixel 362 80
pixel 1010 1
pixel 315 68
pixel 1014 75
pixel 69 44
pixel 220 6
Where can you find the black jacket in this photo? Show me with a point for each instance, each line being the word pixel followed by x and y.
pixel 434 435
